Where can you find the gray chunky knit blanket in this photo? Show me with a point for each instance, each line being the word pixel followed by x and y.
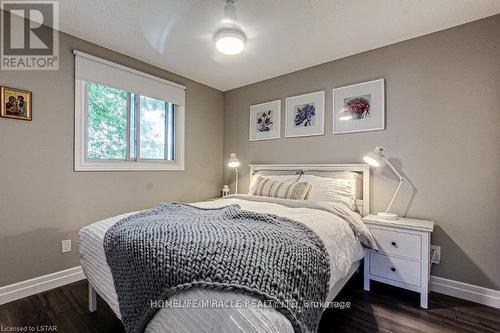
pixel 174 247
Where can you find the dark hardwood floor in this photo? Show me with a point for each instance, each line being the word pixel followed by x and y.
pixel 390 309
pixel 383 309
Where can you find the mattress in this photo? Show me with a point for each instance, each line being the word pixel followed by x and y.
pixel 344 251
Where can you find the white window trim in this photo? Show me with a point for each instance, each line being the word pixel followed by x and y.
pixel 82 164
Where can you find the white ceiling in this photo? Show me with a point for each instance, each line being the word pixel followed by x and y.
pixel 283 35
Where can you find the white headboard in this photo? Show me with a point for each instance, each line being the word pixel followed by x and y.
pixel 362 169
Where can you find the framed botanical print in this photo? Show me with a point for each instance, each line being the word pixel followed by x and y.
pixel 305 115
pixel 265 121
pixel 359 107
pixel 15 103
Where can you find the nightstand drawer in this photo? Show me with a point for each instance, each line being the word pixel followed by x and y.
pixel 396 269
pixel 398 243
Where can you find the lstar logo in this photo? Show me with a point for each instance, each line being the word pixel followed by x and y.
pixel 30 38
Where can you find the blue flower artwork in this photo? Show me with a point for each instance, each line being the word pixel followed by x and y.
pixel 305 115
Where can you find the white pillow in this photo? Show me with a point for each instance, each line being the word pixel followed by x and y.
pixel 285 190
pixel 281 178
pixel 331 189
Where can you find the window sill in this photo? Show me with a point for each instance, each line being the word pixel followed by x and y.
pixel 129 166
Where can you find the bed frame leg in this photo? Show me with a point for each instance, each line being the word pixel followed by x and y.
pixel 92 299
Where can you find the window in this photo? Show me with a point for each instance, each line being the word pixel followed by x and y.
pixel 107 111
pixel 120 127
pixel 127 126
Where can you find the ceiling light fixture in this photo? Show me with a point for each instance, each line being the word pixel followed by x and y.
pixel 230 38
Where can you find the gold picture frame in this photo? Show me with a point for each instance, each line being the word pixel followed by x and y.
pixel 15 103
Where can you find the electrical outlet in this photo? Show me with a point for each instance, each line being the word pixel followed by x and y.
pixel 436 254
pixel 66 246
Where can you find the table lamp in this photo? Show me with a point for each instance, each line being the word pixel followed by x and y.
pixel 234 163
pixel 376 159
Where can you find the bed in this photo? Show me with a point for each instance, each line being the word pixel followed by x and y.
pixel 344 251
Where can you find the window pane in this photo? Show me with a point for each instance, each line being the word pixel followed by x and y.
pixel 152 128
pixel 133 116
pixel 170 131
pixel 107 122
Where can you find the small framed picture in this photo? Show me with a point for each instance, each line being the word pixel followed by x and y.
pixel 359 107
pixel 15 103
pixel 305 115
pixel 265 121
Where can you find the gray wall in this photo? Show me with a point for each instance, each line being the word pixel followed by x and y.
pixel 42 200
pixel 442 131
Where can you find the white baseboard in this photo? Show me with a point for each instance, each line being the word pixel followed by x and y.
pixel 43 283
pixel 466 291
pixel 40 284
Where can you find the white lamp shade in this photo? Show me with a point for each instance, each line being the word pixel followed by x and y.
pixel 233 161
pixel 230 41
pixel 374 158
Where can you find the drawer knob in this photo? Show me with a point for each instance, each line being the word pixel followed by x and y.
pixel 393 269
pixel 394 244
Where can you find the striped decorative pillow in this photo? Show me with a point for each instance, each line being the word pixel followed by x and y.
pixel 285 190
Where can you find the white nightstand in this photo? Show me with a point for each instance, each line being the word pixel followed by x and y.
pixel 403 257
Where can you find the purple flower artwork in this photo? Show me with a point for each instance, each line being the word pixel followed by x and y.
pixel 358 107
pixel 264 121
pixel 305 115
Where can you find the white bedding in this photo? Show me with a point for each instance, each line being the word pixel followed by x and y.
pixel 343 249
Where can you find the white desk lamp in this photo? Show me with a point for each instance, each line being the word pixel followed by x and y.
pixel 376 158
pixel 234 163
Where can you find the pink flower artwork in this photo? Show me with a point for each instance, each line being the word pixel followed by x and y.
pixel 358 107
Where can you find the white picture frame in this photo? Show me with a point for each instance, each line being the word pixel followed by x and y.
pixel 359 107
pixel 270 112
pixel 307 126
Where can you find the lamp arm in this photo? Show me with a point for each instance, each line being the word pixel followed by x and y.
pixel 394 196
pixel 401 181
pixel 236 187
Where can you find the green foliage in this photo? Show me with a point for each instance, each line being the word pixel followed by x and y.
pixel 152 128
pixel 107 122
